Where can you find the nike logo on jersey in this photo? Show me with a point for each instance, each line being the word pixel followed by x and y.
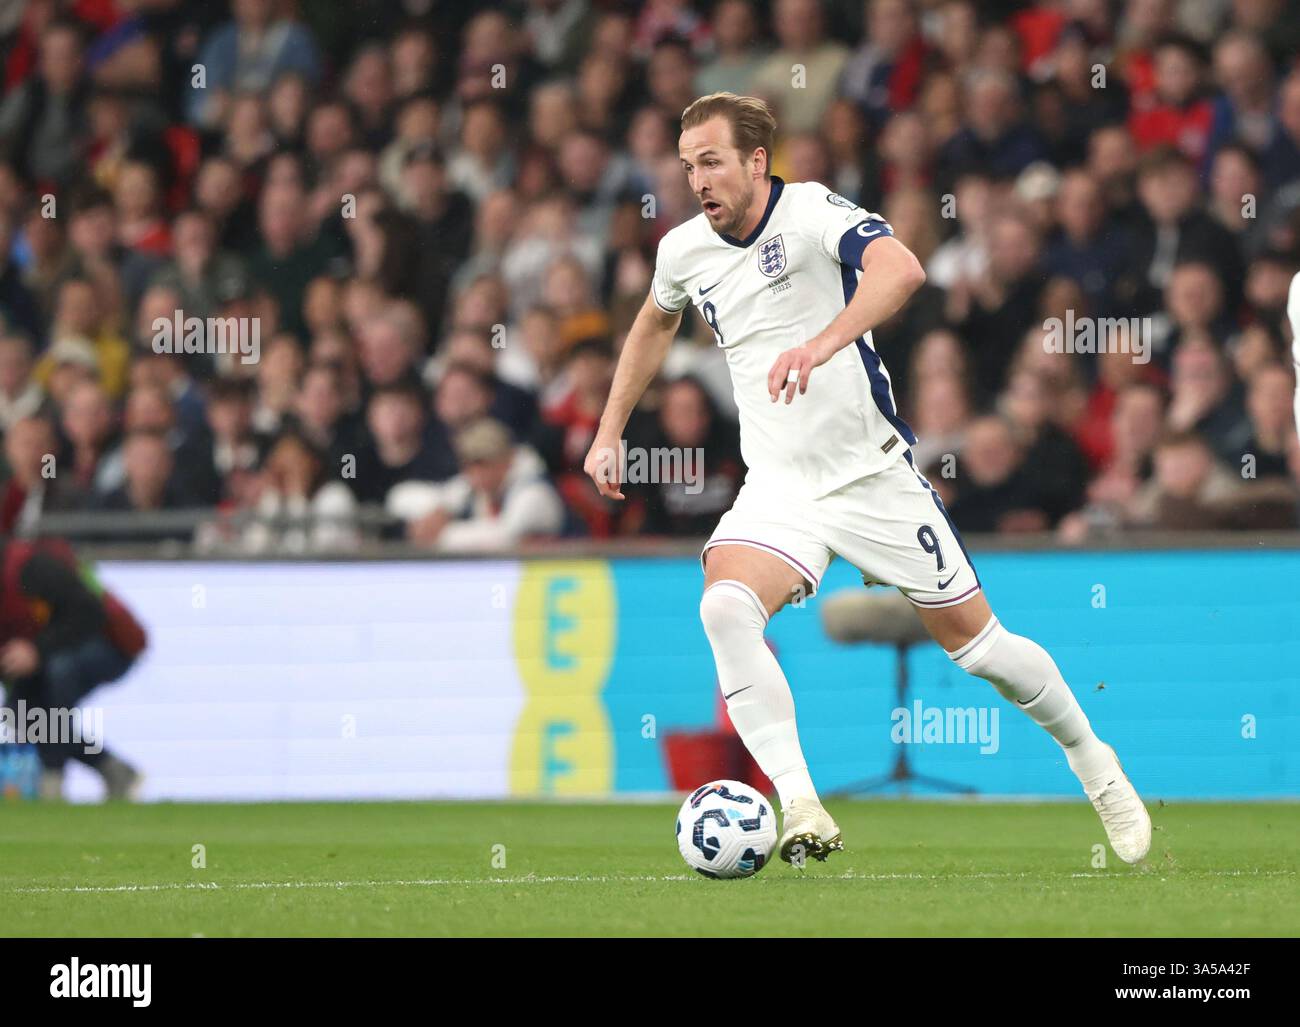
pixel 738 691
pixel 945 584
pixel 704 291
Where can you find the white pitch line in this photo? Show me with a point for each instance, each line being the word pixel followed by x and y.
pixel 264 885
pixel 577 879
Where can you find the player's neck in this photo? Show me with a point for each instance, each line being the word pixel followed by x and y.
pixel 757 208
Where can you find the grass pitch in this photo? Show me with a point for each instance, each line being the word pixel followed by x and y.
pixel 910 868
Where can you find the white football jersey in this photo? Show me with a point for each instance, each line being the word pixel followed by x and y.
pixel 773 291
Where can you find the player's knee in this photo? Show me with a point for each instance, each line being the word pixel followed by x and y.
pixel 731 610
pixel 998 656
pixel 63 679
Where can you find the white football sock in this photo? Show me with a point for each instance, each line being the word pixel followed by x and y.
pixel 758 696
pixel 1024 673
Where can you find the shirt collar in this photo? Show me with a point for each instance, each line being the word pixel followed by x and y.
pixel 749 240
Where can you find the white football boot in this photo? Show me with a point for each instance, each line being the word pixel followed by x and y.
pixel 1127 823
pixel 807 824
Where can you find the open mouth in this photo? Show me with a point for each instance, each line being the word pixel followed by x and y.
pixel 711 206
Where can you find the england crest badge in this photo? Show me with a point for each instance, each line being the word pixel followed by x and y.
pixel 771 256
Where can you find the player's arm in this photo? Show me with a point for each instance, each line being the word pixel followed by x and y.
pixel 644 351
pixel 894 274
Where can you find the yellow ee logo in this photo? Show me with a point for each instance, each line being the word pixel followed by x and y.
pixel 564 630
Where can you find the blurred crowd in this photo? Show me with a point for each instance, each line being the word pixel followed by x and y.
pixel 442 219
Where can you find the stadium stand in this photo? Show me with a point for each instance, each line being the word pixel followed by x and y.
pixel 437 222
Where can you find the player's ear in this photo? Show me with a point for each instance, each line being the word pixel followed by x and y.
pixel 759 159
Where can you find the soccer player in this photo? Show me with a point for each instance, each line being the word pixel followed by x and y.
pixel 791 278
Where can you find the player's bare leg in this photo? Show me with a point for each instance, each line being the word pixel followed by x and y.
pixel 1023 672
pixel 743 588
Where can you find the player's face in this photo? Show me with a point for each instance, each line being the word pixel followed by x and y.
pixel 721 179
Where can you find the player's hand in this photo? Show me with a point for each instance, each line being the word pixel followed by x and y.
pixel 792 370
pixel 19 658
pixel 603 466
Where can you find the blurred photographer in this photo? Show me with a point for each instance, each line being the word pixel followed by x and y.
pixel 62 636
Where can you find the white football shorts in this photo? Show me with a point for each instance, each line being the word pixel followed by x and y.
pixel 890 525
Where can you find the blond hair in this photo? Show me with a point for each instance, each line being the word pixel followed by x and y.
pixel 751 120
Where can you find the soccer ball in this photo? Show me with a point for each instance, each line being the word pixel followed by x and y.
pixel 726 829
